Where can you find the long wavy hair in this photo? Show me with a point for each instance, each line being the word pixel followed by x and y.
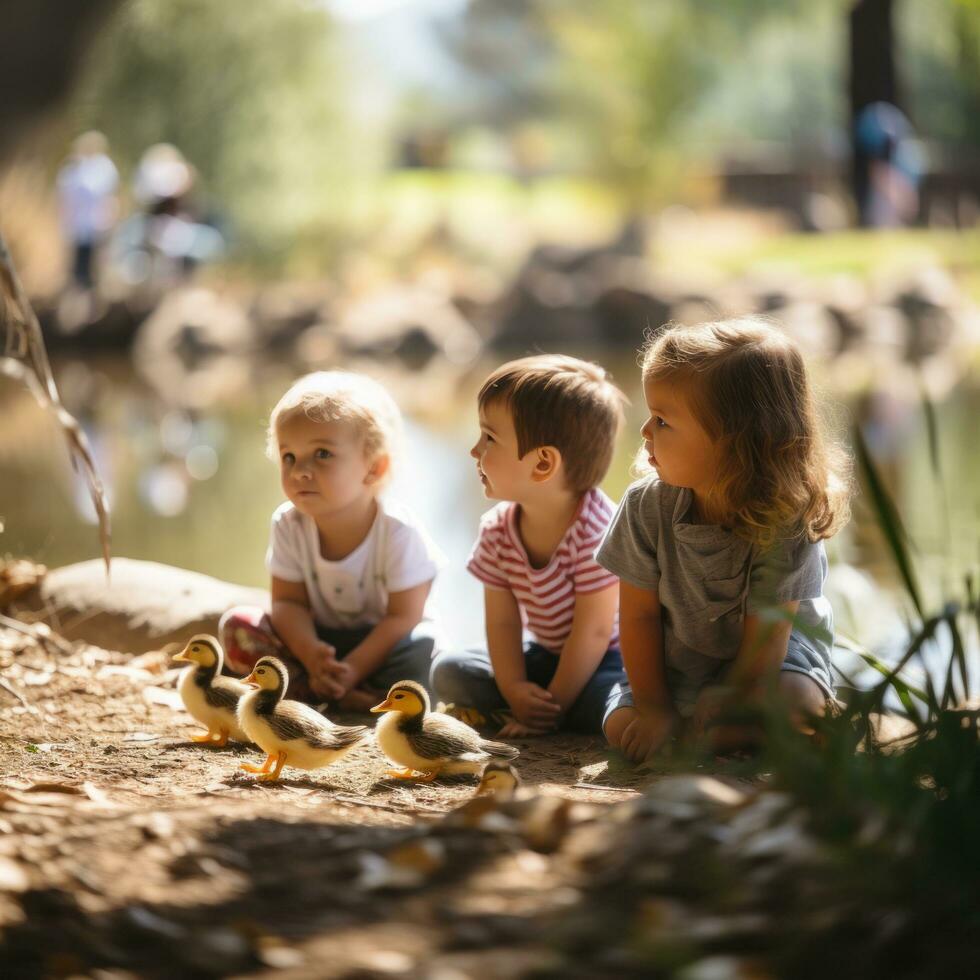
pixel 747 385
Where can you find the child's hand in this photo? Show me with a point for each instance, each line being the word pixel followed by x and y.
pixel 533 706
pixel 646 733
pixel 514 729
pixel 330 678
pixel 360 699
pixel 712 703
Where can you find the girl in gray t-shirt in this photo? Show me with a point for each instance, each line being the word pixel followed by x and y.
pixel 720 547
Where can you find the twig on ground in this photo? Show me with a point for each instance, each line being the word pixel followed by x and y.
pixel 40 632
pixel 391 807
pixel 10 690
pixel 606 789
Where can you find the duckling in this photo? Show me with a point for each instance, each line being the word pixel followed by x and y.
pixel 428 744
pixel 210 697
pixel 499 779
pixel 288 731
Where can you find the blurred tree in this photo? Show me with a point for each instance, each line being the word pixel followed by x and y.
pixel 641 87
pixel 872 79
pixel 507 50
pixel 40 47
pixel 251 93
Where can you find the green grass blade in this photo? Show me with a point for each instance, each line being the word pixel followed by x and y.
pixel 879 665
pixel 889 522
pixel 932 431
pixel 959 653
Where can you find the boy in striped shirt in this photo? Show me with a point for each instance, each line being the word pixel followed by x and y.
pixel 548 428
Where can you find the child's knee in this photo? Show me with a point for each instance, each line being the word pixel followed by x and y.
pixel 803 697
pixel 245 638
pixel 446 675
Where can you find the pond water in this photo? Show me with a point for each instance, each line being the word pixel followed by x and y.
pixel 196 490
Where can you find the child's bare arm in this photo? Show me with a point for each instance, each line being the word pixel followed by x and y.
pixel 586 645
pixel 762 651
pixel 653 716
pixel 405 611
pixel 293 621
pixel 292 617
pixel 641 639
pixel 532 705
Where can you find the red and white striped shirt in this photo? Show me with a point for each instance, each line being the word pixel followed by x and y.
pixel 546 596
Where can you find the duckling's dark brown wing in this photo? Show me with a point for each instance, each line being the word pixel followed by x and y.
pixel 224 692
pixel 443 736
pixel 292 720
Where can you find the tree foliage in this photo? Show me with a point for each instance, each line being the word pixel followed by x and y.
pixel 251 93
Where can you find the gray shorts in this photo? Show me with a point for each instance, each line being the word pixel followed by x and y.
pixel 801 658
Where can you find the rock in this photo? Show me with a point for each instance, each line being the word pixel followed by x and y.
pixel 143 606
pixel 407 325
pixel 193 348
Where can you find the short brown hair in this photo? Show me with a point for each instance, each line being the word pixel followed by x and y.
pixel 748 388
pixel 563 402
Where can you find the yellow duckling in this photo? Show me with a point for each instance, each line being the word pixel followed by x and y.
pixel 428 744
pixel 210 697
pixel 500 780
pixel 288 731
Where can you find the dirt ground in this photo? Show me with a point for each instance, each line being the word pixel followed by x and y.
pixel 128 850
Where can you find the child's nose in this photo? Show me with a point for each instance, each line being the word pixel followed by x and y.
pixel 475 451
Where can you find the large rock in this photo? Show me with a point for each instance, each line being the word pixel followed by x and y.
pixel 143 606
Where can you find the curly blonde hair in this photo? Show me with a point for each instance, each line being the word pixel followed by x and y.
pixel 748 388
pixel 342 396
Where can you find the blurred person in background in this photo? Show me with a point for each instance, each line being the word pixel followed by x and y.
pixel 87 187
pixel 165 239
pixel 890 197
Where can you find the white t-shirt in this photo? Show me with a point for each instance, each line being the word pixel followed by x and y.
pixel 397 554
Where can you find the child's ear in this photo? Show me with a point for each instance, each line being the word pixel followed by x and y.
pixel 379 468
pixel 546 464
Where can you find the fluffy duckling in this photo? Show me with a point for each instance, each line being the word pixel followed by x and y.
pixel 429 744
pixel 288 731
pixel 499 779
pixel 210 697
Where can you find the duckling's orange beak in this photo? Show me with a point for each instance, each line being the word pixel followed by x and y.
pixel 250 681
pixel 182 656
pixel 385 705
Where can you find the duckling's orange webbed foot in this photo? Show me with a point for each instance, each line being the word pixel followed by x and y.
pixel 427 777
pixel 265 767
pixel 401 773
pixel 271 777
pixel 206 737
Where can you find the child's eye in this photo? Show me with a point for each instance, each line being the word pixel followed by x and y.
pixel 288 459
pixel 323 454
pixel 659 422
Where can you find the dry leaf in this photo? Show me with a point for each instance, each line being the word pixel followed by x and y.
pixel 166 696
pixel 13 877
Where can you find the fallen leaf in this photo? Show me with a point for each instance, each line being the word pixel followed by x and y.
pixel 123 670
pixel 94 793
pixel 35 678
pixel 168 697
pixel 69 788
pixel 13 877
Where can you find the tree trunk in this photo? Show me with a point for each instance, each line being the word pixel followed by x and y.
pixel 872 79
